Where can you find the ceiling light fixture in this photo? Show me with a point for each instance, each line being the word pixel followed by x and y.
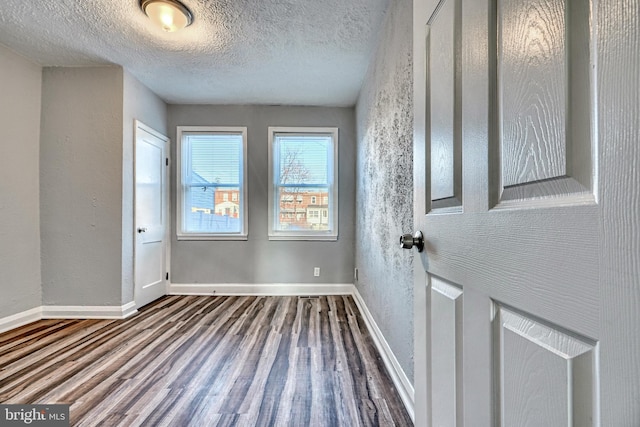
pixel 170 15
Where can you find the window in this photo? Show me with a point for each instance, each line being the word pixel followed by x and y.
pixel 211 165
pixel 303 169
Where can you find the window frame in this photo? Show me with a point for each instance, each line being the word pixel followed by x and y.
pixel 181 234
pixel 274 212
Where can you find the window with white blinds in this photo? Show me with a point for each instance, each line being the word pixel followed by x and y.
pixel 212 177
pixel 303 176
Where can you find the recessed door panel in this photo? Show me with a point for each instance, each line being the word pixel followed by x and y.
pixel 544 94
pixel 533 75
pixel 150 163
pixel 444 107
pixel 446 362
pixel 544 376
pixel 150 265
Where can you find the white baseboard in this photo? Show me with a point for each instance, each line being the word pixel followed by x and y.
pixel 262 289
pixel 129 309
pixel 89 312
pixel 20 319
pixel 67 312
pixel 399 378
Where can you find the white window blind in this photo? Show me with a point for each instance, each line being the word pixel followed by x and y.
pixel 212 187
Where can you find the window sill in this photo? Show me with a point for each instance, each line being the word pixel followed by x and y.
pixel 318 238
pixel 231 237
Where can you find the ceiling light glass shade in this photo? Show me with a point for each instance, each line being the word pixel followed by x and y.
pixel 170 15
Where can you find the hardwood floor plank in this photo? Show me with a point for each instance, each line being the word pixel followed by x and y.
pixel 252 402
pixel 349 403
pixel 215 361
pixel 275 381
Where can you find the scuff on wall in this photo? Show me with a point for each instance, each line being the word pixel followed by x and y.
pixel 384 193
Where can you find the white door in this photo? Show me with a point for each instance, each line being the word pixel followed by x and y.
pixel 527 191
pixel 151 211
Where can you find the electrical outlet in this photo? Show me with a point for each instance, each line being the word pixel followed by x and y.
pixel 316 272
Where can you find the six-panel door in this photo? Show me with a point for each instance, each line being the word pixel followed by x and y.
pixel 507 291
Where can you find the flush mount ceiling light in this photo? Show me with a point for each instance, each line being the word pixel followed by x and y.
pixel 170 15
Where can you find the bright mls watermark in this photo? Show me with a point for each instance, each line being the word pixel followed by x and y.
pixel 34 415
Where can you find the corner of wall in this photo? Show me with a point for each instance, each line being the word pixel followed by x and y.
pixel 20 111
pixel 384 197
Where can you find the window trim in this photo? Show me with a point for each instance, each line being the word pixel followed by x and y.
pixel 311 235
pixel 244 200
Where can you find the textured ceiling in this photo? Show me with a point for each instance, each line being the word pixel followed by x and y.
pixel 296 52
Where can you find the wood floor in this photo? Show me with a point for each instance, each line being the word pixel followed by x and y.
pixel 207 361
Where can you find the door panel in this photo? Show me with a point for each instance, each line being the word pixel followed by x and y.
pixel 150 168
pixel 543 376
pixel 543 99
pixel 443 37
pixel 532 77
pixel 150 265
pixel 151 212
pixel 446 363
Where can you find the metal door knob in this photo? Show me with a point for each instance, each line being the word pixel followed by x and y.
pixel 142 229
pixel 407 241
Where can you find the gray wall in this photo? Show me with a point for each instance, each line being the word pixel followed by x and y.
pixel 141 104
pixel 384 195
pixel 81 185
pixel 259 260
pixel 20 86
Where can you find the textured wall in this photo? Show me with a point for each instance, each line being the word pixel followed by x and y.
pixel 139 104
pixel 20 86
pixel 81 186
pixel 259 260
pixel 384 194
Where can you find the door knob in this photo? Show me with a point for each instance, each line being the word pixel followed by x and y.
pixel 407 241
pixel 142 229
